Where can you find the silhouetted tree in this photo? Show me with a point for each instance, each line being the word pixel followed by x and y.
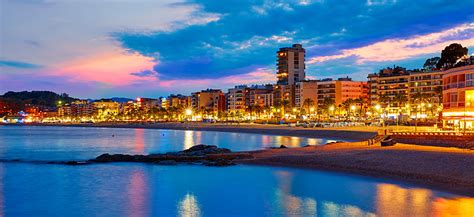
pixel 450 55
pixel 430 63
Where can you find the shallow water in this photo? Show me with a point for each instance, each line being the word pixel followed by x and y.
pixel 128 189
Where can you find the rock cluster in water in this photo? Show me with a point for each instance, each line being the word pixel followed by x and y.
pixel 209 155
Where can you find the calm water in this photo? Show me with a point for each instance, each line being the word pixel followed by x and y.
pixel 67 143
pixel 125 189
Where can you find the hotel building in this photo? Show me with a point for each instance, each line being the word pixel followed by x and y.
pixel 458 97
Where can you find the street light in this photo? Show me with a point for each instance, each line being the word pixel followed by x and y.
pixel 189 112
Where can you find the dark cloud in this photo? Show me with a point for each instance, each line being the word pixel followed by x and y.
pixel 18 64
pixel 248 34
pixel 145 73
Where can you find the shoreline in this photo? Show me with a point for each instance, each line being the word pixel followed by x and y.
pixel 440 168
pixel 278 130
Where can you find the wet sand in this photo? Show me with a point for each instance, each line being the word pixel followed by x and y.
pixel 449 169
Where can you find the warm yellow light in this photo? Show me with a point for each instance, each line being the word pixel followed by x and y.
pixel 294 109
pixel 331 108
pixel 311 109
pixel 422 104
pixel 429 105
pixel 353 107
pixel 189 112
pixel 377 107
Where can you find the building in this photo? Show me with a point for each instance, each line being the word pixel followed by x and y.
pixel 291 65
pixel 458 97
pixel 290 70
pixel 179 100
pixel 392 83
pixel 400 91
pixel 260 95
pixel 340 90
pixel 208 101
pixel 306 91
pixel 235 99
pixel 105 109
pixel 148 103
pixel 427 85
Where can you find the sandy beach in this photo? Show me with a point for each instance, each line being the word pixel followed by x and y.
pixel 447 169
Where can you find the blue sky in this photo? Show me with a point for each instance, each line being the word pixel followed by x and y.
pixel 153 48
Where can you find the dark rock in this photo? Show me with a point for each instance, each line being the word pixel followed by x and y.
pixel 167 162
pixel 283 146
pixel 71 163
pixel 219 163
pixel 201 150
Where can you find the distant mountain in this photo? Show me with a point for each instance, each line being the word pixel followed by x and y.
pixel 37 98
pixel 121 99
pixel 113 99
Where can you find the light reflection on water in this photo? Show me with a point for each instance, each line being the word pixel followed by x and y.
pixel 147 190
pixel 189 206
pixel 74 143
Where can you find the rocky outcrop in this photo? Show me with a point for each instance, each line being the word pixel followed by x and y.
pixel 209 155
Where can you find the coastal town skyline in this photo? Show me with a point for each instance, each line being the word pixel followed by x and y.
pixel 139 58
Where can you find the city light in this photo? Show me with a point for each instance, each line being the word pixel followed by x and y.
pixel 189 112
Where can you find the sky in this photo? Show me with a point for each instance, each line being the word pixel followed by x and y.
pixel 152 48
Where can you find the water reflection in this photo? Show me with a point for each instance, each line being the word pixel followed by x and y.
pixel 188 139
pixel 453 207
pixel 138 194
pixel 389 200
pixel 393 200
pixel 139 141
pixel 2 199
pixel 189 206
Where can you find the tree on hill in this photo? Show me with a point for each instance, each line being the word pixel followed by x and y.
pixel 450 55
pixel 38 98
pixel 430 63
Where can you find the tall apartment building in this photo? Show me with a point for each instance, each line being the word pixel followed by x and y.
pixel 306 90
pixel 340 90
pixel 208 100
pixel 291 64
pixel 290 70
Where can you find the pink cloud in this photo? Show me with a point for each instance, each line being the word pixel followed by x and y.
pixel 111 67
pixel 399 49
